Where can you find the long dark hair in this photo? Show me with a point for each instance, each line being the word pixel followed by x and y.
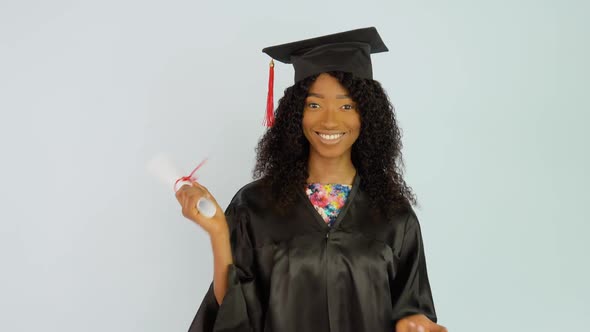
pixel 283 151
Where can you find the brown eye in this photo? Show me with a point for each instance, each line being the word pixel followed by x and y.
pixel 348 107
pixel 313 105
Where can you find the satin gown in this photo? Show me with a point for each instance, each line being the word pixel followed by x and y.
pixel 293 272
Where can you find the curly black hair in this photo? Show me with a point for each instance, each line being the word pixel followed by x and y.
pixel 283 151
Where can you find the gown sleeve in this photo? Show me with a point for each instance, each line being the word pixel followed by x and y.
pixel 410 289
pixel 240 310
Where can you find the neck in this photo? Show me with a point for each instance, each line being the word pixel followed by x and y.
pixel 330 170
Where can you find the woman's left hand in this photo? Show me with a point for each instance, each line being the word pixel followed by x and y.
pixel 418 323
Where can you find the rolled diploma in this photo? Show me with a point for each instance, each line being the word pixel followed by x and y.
pixel 161 167
pixel 204 205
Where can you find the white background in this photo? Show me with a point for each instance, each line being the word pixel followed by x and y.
pixel 492 97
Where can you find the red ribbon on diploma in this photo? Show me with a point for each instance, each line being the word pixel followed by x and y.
pixel 191 177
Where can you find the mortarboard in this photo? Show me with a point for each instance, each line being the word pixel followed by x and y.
pixel 348 51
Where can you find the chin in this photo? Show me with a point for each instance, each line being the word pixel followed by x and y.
pixel 329 154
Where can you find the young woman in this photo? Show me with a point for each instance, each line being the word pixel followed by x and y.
pixel 325 239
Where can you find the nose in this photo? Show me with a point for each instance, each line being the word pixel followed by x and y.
pixel 330 119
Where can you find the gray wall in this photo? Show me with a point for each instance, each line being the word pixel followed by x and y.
pixel 492 97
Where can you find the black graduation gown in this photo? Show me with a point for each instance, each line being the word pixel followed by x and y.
pixel 295 273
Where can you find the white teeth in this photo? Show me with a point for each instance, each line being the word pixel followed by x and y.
pixel 330 137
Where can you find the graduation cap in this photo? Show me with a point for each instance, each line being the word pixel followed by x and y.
pixel 348 51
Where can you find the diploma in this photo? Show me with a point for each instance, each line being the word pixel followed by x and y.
pixel 161 167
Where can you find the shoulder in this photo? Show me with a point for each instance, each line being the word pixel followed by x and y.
pixel 405 220
pixel 240 213
pixel 254 199
pixel 402 230
pixel 250 213
pixel 397 226
pixel 251 193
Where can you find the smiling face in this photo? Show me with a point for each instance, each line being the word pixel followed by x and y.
pixel 331 121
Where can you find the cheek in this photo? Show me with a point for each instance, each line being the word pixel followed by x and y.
pixel 306 124
pixel 309 121
pixel 354 123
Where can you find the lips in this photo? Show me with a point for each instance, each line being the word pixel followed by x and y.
pixel 330 138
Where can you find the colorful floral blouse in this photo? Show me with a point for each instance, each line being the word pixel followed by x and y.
pixel 328 199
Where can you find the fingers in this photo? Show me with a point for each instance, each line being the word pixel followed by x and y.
pixel 402 326
pixel 205 190
pixel 211 219
pixel 418 325
pixel 208 195
pixel 188 196
pixel 431 327
pixel 410 326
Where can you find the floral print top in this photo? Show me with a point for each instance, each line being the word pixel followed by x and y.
pixel 328 199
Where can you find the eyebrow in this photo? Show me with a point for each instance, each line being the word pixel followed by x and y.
pixel 311 94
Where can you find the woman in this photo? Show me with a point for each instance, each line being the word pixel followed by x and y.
pixel 325 239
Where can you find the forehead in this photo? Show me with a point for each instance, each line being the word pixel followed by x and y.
pixel 326 84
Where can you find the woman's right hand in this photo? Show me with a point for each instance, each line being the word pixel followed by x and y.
pixel 217 229
pixel 188 196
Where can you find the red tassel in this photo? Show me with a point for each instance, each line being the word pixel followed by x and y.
pixel 270 119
